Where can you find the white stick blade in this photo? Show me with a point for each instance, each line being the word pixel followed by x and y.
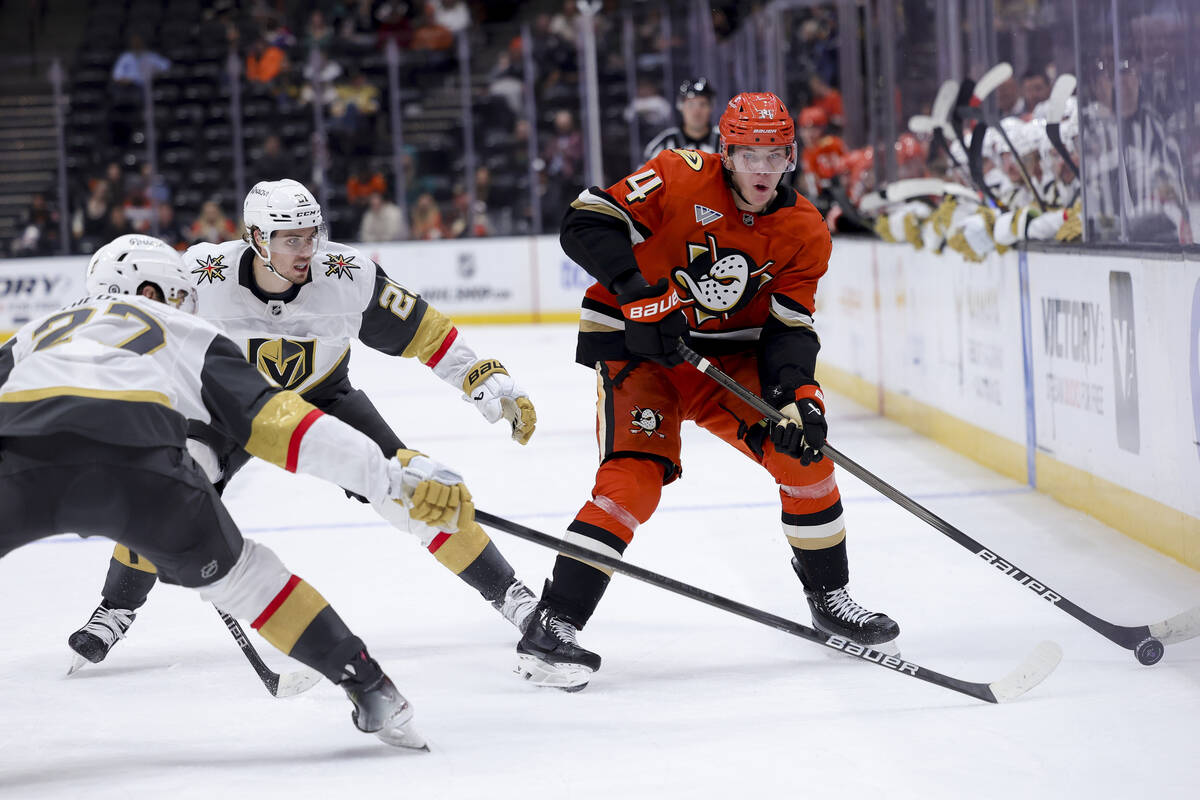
pixel 943 103
pixel 1064 87
pixel 299 682
pixel 1178 628
pixel 993 78
pixel 1035 669
pixel 922 124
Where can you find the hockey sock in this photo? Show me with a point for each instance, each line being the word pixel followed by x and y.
pixel 301 623
pixel 129 581
pixel 823 570
pixel 490 574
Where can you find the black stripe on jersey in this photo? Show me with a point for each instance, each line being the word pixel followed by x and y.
pixel 598 534
pixel 123 422
pixel 603 308
pixel 787 356
pixel 6 360
pixel 391 319
pixel 598 243
pixel 232 389
pixel 816 518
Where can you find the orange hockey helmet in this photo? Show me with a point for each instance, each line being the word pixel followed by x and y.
pixel 757 120
pixel 813 117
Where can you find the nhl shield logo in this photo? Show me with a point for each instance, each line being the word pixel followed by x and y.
pixel 287 363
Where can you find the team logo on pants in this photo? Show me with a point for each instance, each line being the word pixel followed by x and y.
pixel 288 363
pixel 647 421
pixel 718 281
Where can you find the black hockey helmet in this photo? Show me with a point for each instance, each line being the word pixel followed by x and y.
pixel 695 87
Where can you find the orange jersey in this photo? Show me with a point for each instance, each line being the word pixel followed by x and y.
pixel 824 159
pixel 732 269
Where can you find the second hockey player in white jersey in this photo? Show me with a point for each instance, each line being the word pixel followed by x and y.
pixel 294 301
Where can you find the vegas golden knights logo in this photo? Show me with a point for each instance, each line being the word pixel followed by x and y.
pixel 285 362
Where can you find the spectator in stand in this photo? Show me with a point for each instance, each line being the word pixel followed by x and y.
pixel 504 81
pixel 319 69
pixel 139 213
pixel 39 230
pixel 480 225
pixel 212 225
pixel 358 27
pixel 136 64
pixel 394 25
pixel 277 34
pixel 352 114
pixel 563 24
pixel 428 34
pixel 362 183
pixel 169 230
pixel 117 225
pixel 427 219
pixel 652 110
pixel 273 164
pixel 453 15
pixel 1035 89
pixel 564 164
pixel 1008 99
pixel 264 62
pixel 318 33
pixel 382 222
pixel 90 223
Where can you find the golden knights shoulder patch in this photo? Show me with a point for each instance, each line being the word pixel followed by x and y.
pixel 211 269
pixel 339 265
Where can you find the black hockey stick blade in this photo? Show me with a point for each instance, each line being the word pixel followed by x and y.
pixel 287 684
pixel 1145 640
pixel 1033 670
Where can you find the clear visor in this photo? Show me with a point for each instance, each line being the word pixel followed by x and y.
pixel 298 242
pixel 760 160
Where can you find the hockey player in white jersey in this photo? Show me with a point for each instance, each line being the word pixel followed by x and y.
pixel 293 302
pixel 94 407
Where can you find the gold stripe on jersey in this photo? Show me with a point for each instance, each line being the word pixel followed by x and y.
pixel 272 428
pixel 791 317
pixel 820 543
pixel 462 548
pixel 129 396
pixel 288 622
pixel 431 332
pixel 589 201
pixel 126 557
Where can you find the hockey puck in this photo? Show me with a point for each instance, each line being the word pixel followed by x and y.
pixel 1149 651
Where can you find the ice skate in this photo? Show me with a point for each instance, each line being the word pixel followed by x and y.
pixel 517 605
pixel 92 642
pixel 549 654
pixel 835 612
pixel 379 708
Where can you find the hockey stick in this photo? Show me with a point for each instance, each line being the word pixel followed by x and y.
pixel 973 109
pixel 287 684
pixel 1063 88
pixel 1146 641
pixel 1032 671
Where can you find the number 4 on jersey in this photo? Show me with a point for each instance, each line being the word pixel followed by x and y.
pixel 641 185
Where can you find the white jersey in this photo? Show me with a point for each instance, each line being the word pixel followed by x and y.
pixel 129 371
pixel 300 339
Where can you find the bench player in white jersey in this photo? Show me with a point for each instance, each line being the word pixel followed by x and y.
pixel 95 401
pixel 293 302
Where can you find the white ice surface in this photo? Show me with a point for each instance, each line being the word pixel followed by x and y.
pixel 691 701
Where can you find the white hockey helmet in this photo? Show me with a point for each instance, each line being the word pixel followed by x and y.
pixel 283 205
pixel 127 263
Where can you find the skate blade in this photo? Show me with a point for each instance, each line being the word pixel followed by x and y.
pixel 405 736
pixel 568 677
pixel 78 662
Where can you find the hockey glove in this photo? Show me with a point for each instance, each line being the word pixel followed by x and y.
pixel 653 322
pixel 490 389
pixel 432 493
pixel 802 432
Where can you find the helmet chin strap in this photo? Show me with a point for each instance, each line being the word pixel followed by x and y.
pixel 265 256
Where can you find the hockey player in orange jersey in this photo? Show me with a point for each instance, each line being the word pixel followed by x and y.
pixel 712 248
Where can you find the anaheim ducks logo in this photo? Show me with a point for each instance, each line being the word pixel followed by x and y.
pixel 211 269
pixel 647 421
pixel 288 363
pixel 718 282
pixel 339 265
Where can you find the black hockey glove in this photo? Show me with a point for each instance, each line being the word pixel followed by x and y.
pixel 802 433
pixel 653 322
